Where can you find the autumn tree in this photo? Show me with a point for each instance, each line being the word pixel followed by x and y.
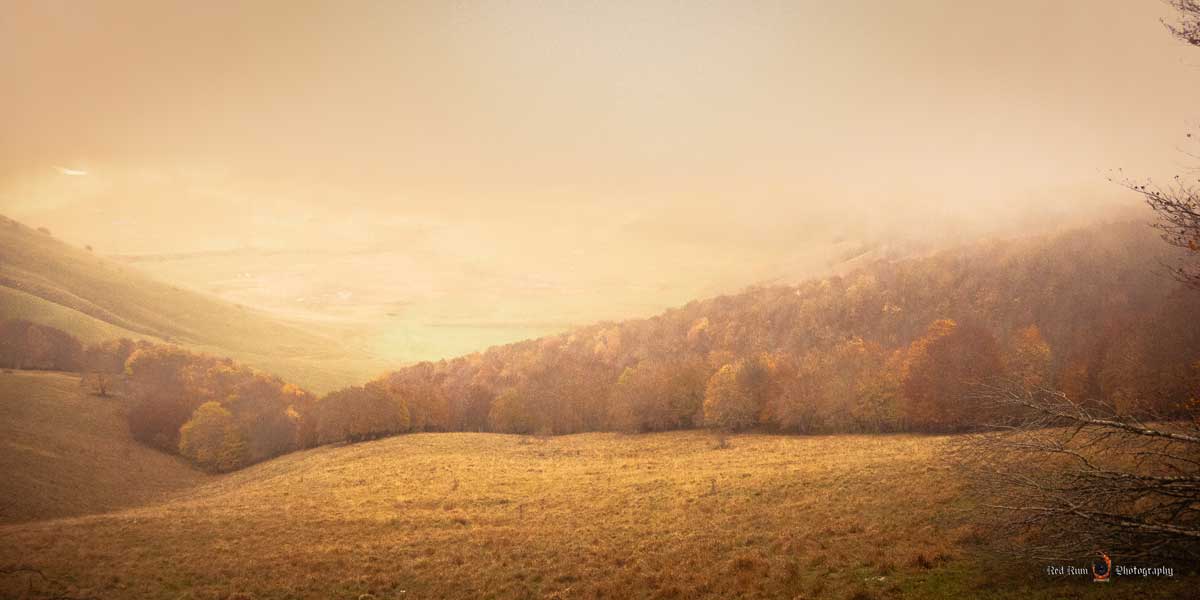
pixel 104 365
pixel 737 394
pixel 211 439
pixel 28 345
pixel 164 389
pixel 804 402
pixel 419 389
pixel 360 413
pixel 110 356
pixel 510 413
pixel 1151 366
pixel 168 384
pixel 262 406
pixel 659 394
pixel 699 338
pixel 874 405
pixel 628 406
pixel 1027 357
pixel 477 403
pixel 943 366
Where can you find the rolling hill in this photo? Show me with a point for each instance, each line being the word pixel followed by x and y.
pixel 469 515
pixel 91 514
pixel 64 453
pixel 1090 311
pixel 485 515
pixel 46 280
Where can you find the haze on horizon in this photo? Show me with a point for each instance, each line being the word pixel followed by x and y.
pixel 452 175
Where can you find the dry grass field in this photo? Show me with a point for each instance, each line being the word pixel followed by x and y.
pixel 63 453
pixel 463 515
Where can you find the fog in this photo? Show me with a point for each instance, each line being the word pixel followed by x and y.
pixel 452 175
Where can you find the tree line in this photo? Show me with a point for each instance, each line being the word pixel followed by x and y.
pixel 894 346
pixel 217 413
pixel 28 345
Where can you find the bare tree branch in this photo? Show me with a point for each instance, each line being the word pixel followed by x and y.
pixel 1066 478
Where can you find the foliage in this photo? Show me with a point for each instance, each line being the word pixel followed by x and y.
pixel 360 413
pixel 659 394
pixel 943 366
pixel 211 439
pixel 729 401
pixel 168 385
pixel 26 345
pixel 894 346
pixel 1028 357
pixel 510 413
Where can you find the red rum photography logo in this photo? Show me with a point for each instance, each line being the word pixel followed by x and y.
pixel 1101 569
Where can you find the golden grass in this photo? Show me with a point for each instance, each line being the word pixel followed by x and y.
pixel 462 515
pixel 476 515
pixel 64 453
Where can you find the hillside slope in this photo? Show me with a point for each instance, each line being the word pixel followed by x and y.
pixel 63 453
pixel 46 280
pixel 585 516
pixel 1089 311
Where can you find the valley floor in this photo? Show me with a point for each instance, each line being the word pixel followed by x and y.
pixel 462 515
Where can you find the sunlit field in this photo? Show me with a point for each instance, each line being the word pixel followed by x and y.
pixel 465 515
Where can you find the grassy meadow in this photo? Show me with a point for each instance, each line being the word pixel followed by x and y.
pixel 466 515
pixel 64 453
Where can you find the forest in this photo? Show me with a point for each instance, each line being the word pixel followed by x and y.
pixel 894 346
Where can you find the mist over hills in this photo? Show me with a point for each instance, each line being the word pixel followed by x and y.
pixel 857 300
pixel 1089 310
pixel 1113 326
pixel 47 280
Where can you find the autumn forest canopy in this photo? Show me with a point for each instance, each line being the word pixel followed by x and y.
pixel 893 346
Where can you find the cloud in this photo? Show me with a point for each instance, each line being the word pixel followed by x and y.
pixel 72 172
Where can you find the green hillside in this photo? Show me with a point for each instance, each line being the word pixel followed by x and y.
pixel 46 280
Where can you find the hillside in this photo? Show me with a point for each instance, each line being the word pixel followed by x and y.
pixel 90 513
pixel 893 346
pixel 46 280
pixel 585 516
pixel 888 346
pixel 63 453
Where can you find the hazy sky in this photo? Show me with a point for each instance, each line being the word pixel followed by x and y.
pixel 603 149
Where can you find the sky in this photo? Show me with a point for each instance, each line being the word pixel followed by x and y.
pixel 515 167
